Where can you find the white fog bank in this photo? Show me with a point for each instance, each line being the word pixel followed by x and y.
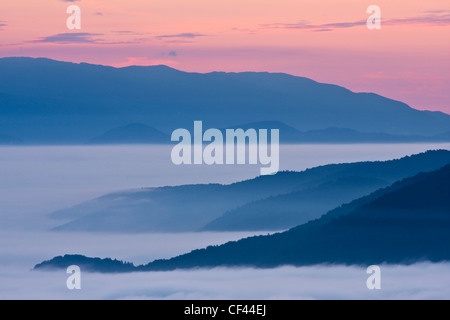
pixel 419 281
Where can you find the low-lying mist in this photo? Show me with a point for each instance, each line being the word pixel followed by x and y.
pixel 35 181
pixel 419 281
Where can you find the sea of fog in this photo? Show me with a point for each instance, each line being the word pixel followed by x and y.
pixel 37 180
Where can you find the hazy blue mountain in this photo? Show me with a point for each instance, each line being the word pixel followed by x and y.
pixel 405 223
pixel 166 209
pixel 409 222
pixel 443 137
pixel 46 101
pixel 289 134
pixel 141 133
pixel 343 135
pixel 132 133
pixel 287 210
pixel 6 139
pixel 273 202
pixel 311 201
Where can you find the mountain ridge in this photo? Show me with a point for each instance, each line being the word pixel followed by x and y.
pixel 290 198
pixel 392 230
pixel 131 133
pixel 48 101
pixel 394 225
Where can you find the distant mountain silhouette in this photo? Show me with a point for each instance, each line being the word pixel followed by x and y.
pixel 275 202
pixel 167 209
pixel 132 133
pixel 143 134
pixel 343 135
pixel 443 137
pixel 405 223
pixel 86 264
pixel 137 133
pixel 47 101
pixel 289 134
pixel 6 139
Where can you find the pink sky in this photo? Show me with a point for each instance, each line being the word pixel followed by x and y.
pixel 326 40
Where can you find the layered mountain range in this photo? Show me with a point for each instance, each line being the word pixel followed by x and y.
pixel 275 202
pixel 406 222
pixel 44 101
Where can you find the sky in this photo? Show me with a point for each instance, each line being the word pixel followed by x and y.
pixel 408 59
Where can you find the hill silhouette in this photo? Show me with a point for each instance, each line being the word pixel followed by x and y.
pixel 275 202
pixel 291 135
pixel 404 223
pixel 132 133
pixel 409 222
pixel 47 101
pixel 106 265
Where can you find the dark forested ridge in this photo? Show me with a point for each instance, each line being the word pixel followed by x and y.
pixel 406 222
pixel 106 265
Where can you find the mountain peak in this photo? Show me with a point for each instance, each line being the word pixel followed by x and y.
pixel 131 133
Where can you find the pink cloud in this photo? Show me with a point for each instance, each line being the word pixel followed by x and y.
pixel 437 18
